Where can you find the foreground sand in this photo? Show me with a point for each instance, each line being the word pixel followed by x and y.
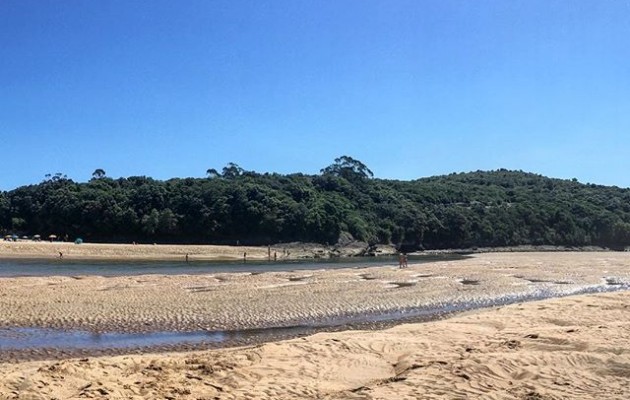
pixel 570 348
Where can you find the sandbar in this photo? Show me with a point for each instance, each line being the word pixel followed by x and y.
pixel 571 347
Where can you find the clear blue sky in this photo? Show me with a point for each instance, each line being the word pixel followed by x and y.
pixel 411 88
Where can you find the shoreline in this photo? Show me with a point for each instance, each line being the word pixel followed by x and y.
pixel 518 249
pixel 170 252
pixel 45 250
pixel 111 251
pixel 251 336
pixel 575 347
pixel 226 301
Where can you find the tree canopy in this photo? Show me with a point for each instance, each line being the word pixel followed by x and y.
pixel 98 173
pixel 349 168
pixel 483 208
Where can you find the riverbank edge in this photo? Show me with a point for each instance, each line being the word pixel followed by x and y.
pixel 277 252
pixel 259 336
pixel 186 252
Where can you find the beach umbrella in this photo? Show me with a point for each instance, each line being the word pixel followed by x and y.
pixel 37 237
pixel 15 237
pixel 78 241
pixel 52 237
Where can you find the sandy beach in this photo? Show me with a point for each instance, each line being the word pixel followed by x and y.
pixel 574 347
pixel 30 249
pixel 109 251
pixel 570 348
pixel 227 301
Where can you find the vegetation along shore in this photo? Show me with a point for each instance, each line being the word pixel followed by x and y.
pixel 341 204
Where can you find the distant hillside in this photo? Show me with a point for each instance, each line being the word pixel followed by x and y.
pixel 495 208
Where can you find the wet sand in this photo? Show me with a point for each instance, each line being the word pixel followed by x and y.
pixel 575 347
pixel 570 348
pixel 227 301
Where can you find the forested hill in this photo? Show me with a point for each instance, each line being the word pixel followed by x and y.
pixel 496 208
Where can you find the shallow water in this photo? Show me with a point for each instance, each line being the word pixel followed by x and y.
pixel 25 267
pixel 27 338
pixel 41 338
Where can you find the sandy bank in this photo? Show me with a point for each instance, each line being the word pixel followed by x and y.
pixel 28 249
pixel 109 251
pixel 225 301
pixel 570 348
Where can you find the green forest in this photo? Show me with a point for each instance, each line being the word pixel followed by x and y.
pixel 460 210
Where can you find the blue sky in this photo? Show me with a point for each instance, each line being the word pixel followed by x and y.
pixel 411 88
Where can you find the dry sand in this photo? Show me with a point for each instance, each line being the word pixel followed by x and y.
pixel 571 348
pixel 109 251
pixel 30 249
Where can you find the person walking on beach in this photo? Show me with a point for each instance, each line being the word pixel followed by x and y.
pixel 402 260
pixel 186 258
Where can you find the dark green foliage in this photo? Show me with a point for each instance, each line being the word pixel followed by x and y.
pixel 98 173
pixel 497 208
pixel 349 168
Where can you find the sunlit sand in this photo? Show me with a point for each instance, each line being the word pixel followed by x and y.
pixel 573 347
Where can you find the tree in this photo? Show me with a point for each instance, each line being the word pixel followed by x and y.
pixel 5 211
pixel 17 223
pixel 349 168
pixel 98 173
pixel 167 222
pixel 212 173
pixel 58 176
pixel 232 170
pixel 495 208
pixel 150 222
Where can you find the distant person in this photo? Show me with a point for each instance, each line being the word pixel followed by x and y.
pixel 275 256
pixel 405 261
pixel 186 258
pixel 60 255
pixel 245 256
pixel 401 260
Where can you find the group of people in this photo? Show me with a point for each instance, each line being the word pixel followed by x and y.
pixel 402 260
